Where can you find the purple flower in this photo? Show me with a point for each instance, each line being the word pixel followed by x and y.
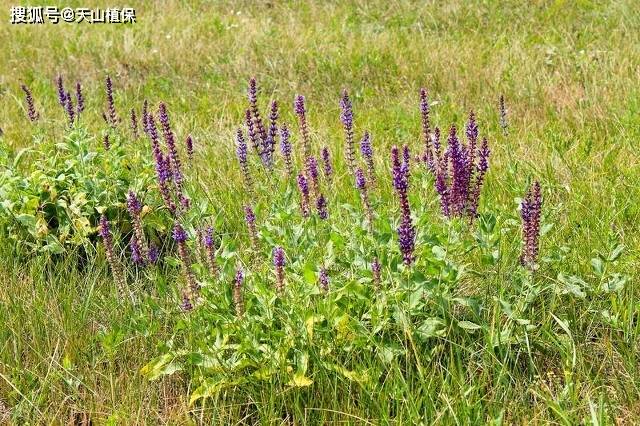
pixel 301 112
pixel 145 117
pixel 304 191
pixel 62 94
pixel 241 152
pixel 482 167
pixel 323 280
pixel 31 109
pixel 79 98
pixel 163 169
pixel 278 263
pixel 179 234
pixel 321 206
pixel 285 148
pixel 326 162
pixel 269 145
pixel 112 116
pixel 530 210
pixel 153 254
pixel 367 154
pixel 503 115
pixel 136 251
pixel 134 123
pixel 253 137
pixel 105 232
pixel 346 116
pixel 361 183
pixel 189 145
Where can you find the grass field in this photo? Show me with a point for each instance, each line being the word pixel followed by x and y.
pixel 558 345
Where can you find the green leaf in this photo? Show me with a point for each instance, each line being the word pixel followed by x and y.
pixel 597 265
pixel 469 326
pixel 299 380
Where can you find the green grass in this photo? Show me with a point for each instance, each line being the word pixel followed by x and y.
pixel 569 73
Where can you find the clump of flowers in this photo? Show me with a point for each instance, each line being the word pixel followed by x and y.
pixel 31 109
pixel 406 230
pixel 361 184
pixel 530 210
pixel 116 269
pixel 278 263
pixel 459 172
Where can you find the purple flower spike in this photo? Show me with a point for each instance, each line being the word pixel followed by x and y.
pixel 269 145
pixel 321 206
pixel 326 162
pixel 313 174
pixel 71 112
pixel 79 98
pixel 250 218
pixel 530 210
pixel 241 152
pixel 134 206
pixel 62 93
pixel 285 148
pixel 237 293
pixel 189 145
pixel 105 232
pixel 426 125
pixel 136 251
pixel 31 109
pixel 145 117
pixel 361 184
pixel 278 263
pixel 112 116
pixel 376 270
pixel 367 153
pixel 301 112
pixel 503 115
pixel 346 116
pixel 323 280
pixel 106 143
pixel 180 237
pixel 406 231
pixel 252 95
pixel 169 138
pixel 153 254
pixel 304 191
pixel 210 250
pixel 134 123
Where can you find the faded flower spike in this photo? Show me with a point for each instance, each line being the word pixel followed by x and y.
pixel 323 280
pixel 503 115
pixel 112 116
pixel 189 144
pixel 376 270
pixel 180 237
pixel 361 184
pixel 326 162
pixel 116 269
pixel 134 123
pixel 134 207
pixel 250 218
pixel 31 109
pixel 301 112
pixel 241 152
pixel 367 153
pixel 278 263
pixel 210 250
pixel 79 98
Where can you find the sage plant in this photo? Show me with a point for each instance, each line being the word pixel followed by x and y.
pixel 134 207
pixel 210 251
pixel 79 98
pixel 361 185
pixel 503 115
pixel 237 293
pixel 285 148
pixel 326 163
pixel 116 268
pixel 180 237
pixel 134 123
pixel 323 280
pixel 321 207
pixel 346 117
pixel 112 116
pixel 406 230
pixel 367 153
pixel 301 112
pixel 241 152
pixel 303 186
pixel 250 219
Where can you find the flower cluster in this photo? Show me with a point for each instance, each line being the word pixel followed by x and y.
pixel 459 171
pixel 285 149
pixel 278 263
pixel 31 109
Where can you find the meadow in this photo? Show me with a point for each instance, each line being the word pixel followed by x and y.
pixel 181 267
